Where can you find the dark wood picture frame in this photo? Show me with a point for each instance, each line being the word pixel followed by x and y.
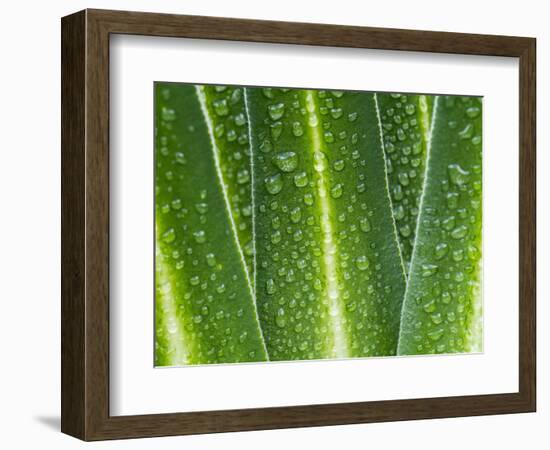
pixel 85 224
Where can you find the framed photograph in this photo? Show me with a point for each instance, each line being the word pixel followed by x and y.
pixel 273 225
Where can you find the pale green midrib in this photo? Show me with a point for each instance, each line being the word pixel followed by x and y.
pixel 176 339
pixel 386 179
pixel 215 153
pixel 419 218
pixel 336 313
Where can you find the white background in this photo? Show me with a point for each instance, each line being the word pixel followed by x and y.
pixel 30 237
pixel 136 387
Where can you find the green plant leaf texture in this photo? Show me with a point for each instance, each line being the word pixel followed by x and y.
pixel 442 306
pixel 226 112
pixel 304 224
pixel 406 122
pixel 329 275
pixel 205 310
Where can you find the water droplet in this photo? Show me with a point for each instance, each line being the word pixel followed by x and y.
pixel 429 269
pixel 436 334
pixel 401 134
pixel 336 113
pixel 467 132
pixel 168 114
pixel 397 192
pixel 200 236
pixel 240 119
pixel 231 135
pixel 300 179
pixel 459 232
pixel 362 262
pixel 297 129
pixel 364 224
pixel 211 259
pixel 339 165
pixel 280 319
pixel 312 121
pixel 286 161
pixel 352 117
pixel 202 208
pixel 220 107
pixel 276 111
pixel 243 176
pixel 274 184
pixel 405 230
pixel 410 109
pixel 197 319
pixel 458 175
pixel 448 223
pixel 452 200
pixel 329 137
pixel 429 307
pixel 319 161
pixel 180 158
pixel 176 204
pixel 268 92
pixel 169 236
pixel 399 212
pixel 276 237
pixel 266 146
pixel 403 178
pixel 458 255
pixel 436 318
pixel 441 250
pixel 336 191
pixel 473 111
pixel 276 130
pixel 296 214
pixel 270 287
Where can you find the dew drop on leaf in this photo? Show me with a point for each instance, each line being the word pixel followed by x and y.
pixel 286 161
pixel 274 184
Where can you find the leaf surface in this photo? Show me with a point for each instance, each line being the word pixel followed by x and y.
pixel 442 306
pixel 205 310
pixel 328 272
pixel 226 111
pixel 406 121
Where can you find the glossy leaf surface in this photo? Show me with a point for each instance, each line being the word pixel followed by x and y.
pixel 442 307
pixel 205 310
pixel 226 111
pixel 300 224
pixel 406 121
pixel 329 277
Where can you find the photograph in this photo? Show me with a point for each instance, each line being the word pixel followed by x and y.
pixel 311 224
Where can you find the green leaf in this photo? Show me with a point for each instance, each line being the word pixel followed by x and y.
pixel 205 310
pixel 329 277
pixel 442 306
pixel 406 121
pixel 226 111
